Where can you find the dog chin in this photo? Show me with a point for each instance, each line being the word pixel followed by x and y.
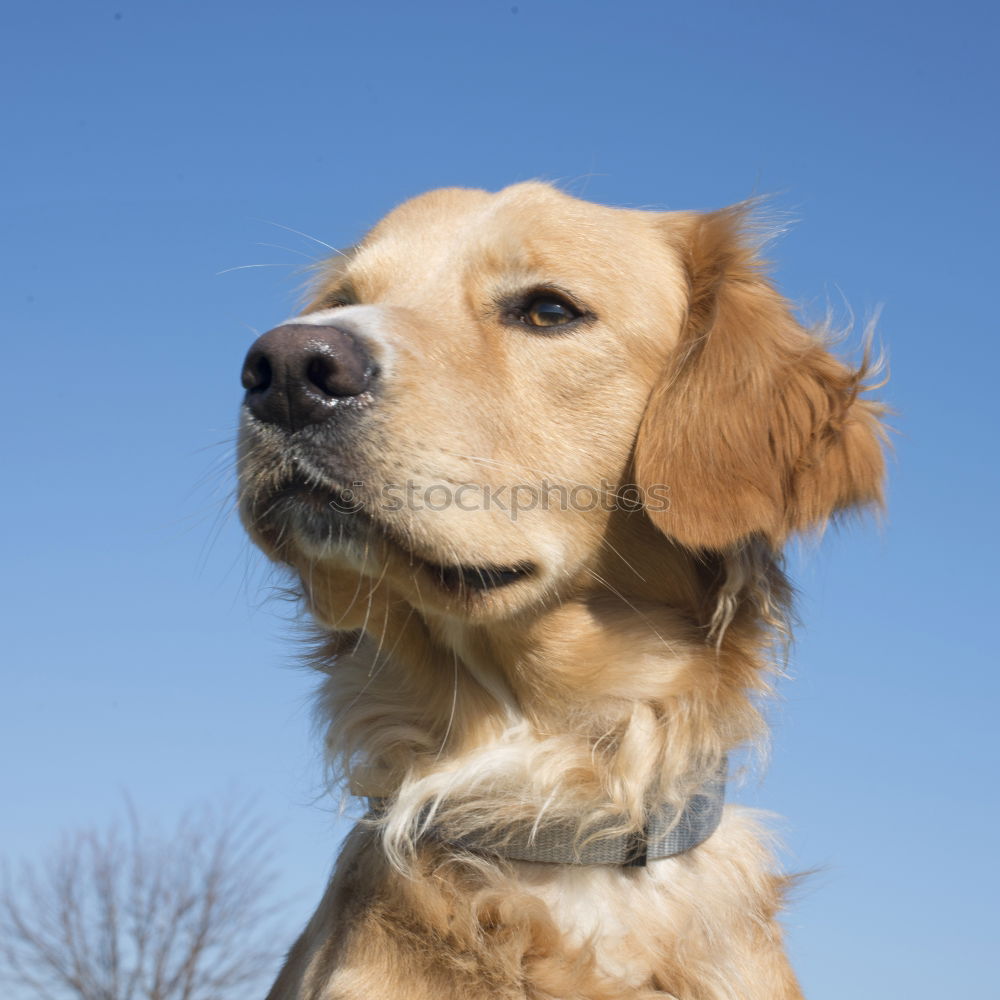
pixel 326 535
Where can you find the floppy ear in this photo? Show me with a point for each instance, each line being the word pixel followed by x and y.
pixel 755 428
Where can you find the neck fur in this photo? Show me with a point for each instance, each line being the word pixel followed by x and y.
pixel 607 703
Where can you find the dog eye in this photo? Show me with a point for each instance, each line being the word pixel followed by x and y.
pixel 342 294
pixel 548 310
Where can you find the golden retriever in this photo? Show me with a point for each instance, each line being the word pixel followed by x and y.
pixel 533 461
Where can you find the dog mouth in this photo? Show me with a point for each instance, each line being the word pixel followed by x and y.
pixel 331 518
pixel 479 578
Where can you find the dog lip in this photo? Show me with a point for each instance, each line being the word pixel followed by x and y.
pixel 321 512
pixel 329 502
pixel 480 578
pixel 322 497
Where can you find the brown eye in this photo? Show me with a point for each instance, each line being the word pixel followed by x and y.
pixel 341 295
pixel 547 310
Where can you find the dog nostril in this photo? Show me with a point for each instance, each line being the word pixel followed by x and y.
pixel 322 373
pixel 338 376
pixel 257 374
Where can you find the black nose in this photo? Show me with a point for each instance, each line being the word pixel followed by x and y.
pixel 300 374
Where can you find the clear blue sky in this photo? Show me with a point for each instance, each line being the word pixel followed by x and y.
pixel 149 147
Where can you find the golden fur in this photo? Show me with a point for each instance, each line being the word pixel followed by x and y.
pixel 620 669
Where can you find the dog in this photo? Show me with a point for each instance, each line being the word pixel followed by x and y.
pixel 532 462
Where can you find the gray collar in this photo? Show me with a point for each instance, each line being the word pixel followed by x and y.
pixel 665 834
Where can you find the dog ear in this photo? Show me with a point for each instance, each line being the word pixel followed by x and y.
pixel 754 427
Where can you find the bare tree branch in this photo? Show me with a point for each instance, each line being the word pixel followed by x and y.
pixel 137 916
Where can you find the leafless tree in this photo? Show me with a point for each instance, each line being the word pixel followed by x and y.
pixel 125 914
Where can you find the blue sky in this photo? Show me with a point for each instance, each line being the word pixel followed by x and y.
pixel 150 147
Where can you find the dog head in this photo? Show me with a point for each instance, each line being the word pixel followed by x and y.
pixel 490 388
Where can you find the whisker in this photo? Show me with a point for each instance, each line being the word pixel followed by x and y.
pixel 244 267
pixel 623 559
pixel 454 704
pixel 361 579
pixel 304 235
pixel 300 253
pixel 386 660
pixel 644 617
pixel 222 518
pixel 385 617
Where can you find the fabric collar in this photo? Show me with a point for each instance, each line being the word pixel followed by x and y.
pixel 666 833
